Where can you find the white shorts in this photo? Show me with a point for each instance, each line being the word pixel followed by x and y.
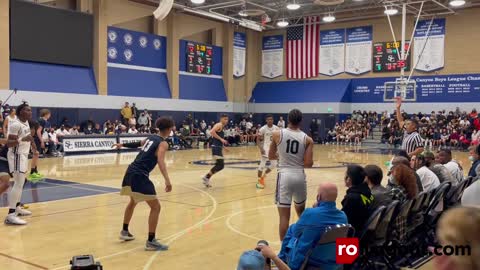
pixel 291 185
pixel 265 164
pixel 17 162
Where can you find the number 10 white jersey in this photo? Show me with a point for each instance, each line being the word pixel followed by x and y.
pixel 291 149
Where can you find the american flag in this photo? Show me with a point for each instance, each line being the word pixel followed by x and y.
pixel 302 49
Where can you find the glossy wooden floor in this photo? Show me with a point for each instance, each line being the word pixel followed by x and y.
pixel 205 228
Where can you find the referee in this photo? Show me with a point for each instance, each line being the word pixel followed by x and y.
pixel 412 141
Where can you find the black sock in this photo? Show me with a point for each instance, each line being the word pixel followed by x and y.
pixel 33 170
pixel 125 227
pixel 11 211
pixel 151 236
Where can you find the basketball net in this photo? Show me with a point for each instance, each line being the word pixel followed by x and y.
pixel 402 83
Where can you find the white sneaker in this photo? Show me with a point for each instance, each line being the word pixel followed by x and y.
pixel 126 236
pixel 23 212
pixel 12 219
pixel 206 182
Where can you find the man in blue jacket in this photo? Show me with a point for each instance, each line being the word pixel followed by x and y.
pixel 304 235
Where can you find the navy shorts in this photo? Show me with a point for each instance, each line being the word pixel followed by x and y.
pixel 4 169
pixel 138 186
pixel 217 151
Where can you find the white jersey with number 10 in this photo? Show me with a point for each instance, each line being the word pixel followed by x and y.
pixel 291 150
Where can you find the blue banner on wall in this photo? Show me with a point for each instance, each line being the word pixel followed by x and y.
pixel 239 54
pixel 359 34
pixel 332 52
pixel 430 89
pixel 336 36
pixel 272 42
pixel 429 45
pixel 136 48
pixel 239 39
pixel 358 53
pixel 437 28
pixel 272 56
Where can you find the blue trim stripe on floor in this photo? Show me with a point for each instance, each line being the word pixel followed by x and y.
pixel 53 189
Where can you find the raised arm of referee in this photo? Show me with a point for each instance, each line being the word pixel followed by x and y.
pixel 412 141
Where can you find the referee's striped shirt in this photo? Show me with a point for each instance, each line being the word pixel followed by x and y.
pixel 411 141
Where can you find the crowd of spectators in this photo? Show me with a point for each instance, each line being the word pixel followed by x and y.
pixel 354 130
pixel 456 129
pixel 367 189
pixel 134 121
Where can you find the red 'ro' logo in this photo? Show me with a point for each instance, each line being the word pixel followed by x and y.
pixel 347 250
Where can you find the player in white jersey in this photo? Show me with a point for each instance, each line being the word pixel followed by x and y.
pixel 17 157
pixel 264 140
pixel 294 150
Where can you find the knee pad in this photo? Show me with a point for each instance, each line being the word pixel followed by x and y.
pixel 219 165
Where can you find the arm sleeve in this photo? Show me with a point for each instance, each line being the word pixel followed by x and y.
pixel 133 144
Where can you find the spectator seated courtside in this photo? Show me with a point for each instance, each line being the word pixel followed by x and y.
pixel 374 182
pixel 358 200
pixel 302 237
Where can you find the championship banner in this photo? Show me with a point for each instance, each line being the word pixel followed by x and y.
pixel 332 52
pixel 359 50
pixel 432 57
pixel 430 89
pixel 86 144
pixel 239 54
pixel 272 56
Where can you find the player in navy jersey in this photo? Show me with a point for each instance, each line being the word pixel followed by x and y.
pixel 139 187
pixel 218 143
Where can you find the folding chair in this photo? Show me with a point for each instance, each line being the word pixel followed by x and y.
pixel 328 237
pixel 367 236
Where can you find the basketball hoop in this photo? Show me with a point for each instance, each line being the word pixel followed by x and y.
pixel 401 87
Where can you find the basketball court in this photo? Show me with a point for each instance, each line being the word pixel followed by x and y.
pixel 78 210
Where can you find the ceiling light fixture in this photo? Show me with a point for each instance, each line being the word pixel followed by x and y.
pixel 391 11
pixel 282 23
pixel 293 6
pixel 328 18
pixel 457 3
pixel 197 2
pixel 243 12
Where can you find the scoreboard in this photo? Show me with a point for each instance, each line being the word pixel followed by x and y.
pixel 199 58
pixel 385 57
